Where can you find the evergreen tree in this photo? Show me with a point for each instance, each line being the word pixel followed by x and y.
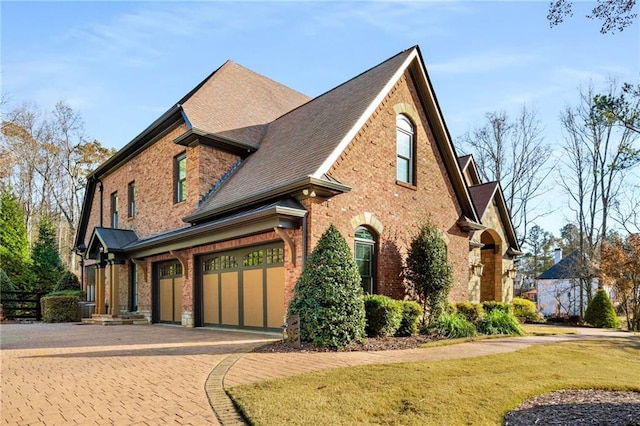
pixel 428 271
pixel 47 266
pixel 328 296
pixel 600 312
pixel 14 242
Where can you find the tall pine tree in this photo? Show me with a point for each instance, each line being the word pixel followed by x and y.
pixel 47 266
pixel 14 242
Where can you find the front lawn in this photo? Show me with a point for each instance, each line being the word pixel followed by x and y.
pixel 474 391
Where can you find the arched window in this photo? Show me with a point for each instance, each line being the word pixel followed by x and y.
pixel 405 150
pixel 365 254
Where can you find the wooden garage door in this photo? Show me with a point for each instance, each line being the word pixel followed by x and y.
pixel 170 282
pixel 244 288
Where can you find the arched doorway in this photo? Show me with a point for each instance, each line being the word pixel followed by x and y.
pixel 491 258
pixel 365 256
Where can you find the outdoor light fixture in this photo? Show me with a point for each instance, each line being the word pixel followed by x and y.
pixel 477 269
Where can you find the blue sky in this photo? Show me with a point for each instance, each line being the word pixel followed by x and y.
pixel 122 64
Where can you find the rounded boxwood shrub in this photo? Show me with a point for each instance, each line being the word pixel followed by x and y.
pixel 328 296
pixel 497 321
pixel 491 305
pixel 452 326
pixel 471 311
pixel 525 310
pixel 60 309
pixel 600 312
pixel 68 281
pixel 411 315
pixel 383 314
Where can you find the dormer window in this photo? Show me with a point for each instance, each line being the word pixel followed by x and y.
pixel 405 170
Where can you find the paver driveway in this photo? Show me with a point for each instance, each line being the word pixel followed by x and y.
pixel 57 374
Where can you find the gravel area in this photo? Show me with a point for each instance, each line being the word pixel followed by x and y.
pixel 578 407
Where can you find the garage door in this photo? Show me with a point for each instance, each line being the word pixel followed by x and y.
pixel 169 287
pixel 243 288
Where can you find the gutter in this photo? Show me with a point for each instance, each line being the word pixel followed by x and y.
pixel 289 188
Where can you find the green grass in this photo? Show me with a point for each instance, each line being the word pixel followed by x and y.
pixel 474 391
pixel 545 330
pixel 529 329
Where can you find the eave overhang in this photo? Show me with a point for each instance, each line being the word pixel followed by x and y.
pixel 287 214
pixel 305 187
pixel 513 252
pixel 194 136
pixel 469 225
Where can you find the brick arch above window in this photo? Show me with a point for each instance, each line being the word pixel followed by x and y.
pixel 408 110
pixel 367 219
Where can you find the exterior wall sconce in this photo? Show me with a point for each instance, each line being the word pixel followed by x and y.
pixel 511 272
pixel 477 269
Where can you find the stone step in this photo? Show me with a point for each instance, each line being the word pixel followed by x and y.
pixel 119 320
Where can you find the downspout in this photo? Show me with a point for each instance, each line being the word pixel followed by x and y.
pixel 305 239
pixel 100 188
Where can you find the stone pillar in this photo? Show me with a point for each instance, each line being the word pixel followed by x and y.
pixel 114 290
pixel 100 289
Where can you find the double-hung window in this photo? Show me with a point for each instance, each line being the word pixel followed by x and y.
pixel 405 170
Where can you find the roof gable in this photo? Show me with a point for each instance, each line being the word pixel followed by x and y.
pixel 491 192
pixel 468 167
pixel 316 134
pixel 311 133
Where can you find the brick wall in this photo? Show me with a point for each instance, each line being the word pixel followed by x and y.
pixel 153 173
pixel 368 165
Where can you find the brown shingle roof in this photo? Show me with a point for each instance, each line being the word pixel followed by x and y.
pixel 238 103
pixel 482 196
pixel 463 161
pixel 298 143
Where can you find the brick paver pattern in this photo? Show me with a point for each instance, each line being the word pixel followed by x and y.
pixel 70 374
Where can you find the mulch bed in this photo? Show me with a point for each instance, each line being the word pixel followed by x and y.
pixel 369 344
pixel 578 407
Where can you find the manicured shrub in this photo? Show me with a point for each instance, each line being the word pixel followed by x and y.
pixel 452 326
pixel 471 311
pixel 497 321
pixel 491 305
pixel 428 271
pixel 411 314
pixel 525 310
pixel 383 314
pixel 75 293
pixel 600 312
pixel 5 282
pixel 68 281
pixel 328 296
pixel 60 309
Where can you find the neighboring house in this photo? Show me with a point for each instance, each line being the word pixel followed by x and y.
pixel 206 217
pixel 559 287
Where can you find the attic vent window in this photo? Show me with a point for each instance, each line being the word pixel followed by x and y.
pixel 405 170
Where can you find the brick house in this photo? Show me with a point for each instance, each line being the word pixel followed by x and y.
pixel 207 216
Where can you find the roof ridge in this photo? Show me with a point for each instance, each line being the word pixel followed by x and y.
pixel 343 84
